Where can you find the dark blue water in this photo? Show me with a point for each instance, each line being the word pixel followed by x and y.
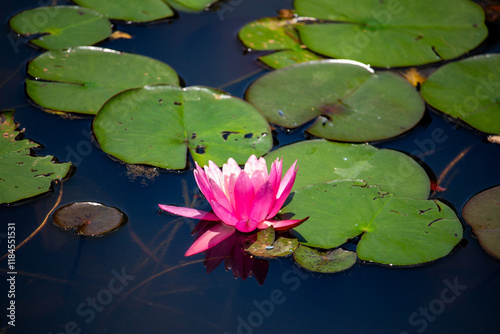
pixel 138 281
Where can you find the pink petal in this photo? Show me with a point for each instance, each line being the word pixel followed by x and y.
pixel 202 181
pixel 213 172
pixel 275 176
pixel 282 225
pixel 264 199
pixel 210 238
pixel 258 178
pixel 188 212
pixel 246 225
pixel 219 196
pixel 226 216
pixel 285 188
pixel 253 165
pixel 243 196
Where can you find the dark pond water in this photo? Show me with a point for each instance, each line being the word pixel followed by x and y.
pixel 137 280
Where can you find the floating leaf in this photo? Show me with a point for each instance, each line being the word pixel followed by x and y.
pixel 130 10
pixel 23 175
pixel 468 89
pixel 348 100
pixel 190 5
pixel 273 33
pixel 321 161
pixel 89 218
pixel 393 230
pixel 58 27
pixel 157 125
pixel 392 33
pixel 82 79
pixel 265 245
pixel 332 261
pixel 482 212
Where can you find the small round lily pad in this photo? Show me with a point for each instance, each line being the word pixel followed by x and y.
pixel 331 261
pixel 265 246
pixel 88 218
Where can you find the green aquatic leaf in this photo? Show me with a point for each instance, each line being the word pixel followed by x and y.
pixel 267 247
pixel 347 100
pixel 469 90
pixel 276 34
pixel 392 230
pixel 392 33
pixel 482 213
pixel 23 175
pixel 328 262
pixel 81 79
pixel 190 5
pixel 90 219
pixel 130 10
pixel 157 125
pixel 321 161
pixel 59 27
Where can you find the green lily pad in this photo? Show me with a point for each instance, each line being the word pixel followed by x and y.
pixel 59 27
pixel 392 33
pixel 348 100
pixel 23 175
pixel 130 10
pixel 469 90
pixel 321 161
pixel 393 230
pixel 274 33
pixel 190 5
pixel 81 79
pixel 266 247
pixel 328 262
pixel 88 218
pixel 482 213
pixel 157 125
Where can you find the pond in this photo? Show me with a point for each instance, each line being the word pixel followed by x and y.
pixel 137 279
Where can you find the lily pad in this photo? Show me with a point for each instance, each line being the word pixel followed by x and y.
pixel 321 161
pixel 81 79
pixel 482 213
pixel 23 175
pixel 157 125
pixel 190 5
pixel 392 230
pixel 469 90
pixel 88 218
pixel 348 100
pixel 274 33
pixel 392 33
pixel 130 10
pixel 267 247
pixel 327 262
pixel 59 27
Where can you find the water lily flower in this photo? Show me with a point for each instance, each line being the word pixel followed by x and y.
pixel 242 199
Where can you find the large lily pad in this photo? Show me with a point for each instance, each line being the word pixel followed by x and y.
pixel 347 100
pixel 469 90
pixel 81 79
pixel 482 212
pixel 88 218
pixel 321 161
pixel 392 33
pixel 23 175
pixel 393 230
pixel 58 27
pixel 332 261
pixel 274 33
pixel 157 125
pixel 130 10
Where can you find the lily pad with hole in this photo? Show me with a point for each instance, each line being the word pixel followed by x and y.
pixel 392 230
pixel 482 213
pixel 90 219
pixel 22 174
pixel 392 33
pixel 157 125
pixel 59 27
pixel 321 161
pixel 326 262
pixel 267 247
pixel 81 79
pixel 276 34
pixel 347 100
pixel 469 90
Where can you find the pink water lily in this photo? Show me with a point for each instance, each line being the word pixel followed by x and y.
pixel 242 199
